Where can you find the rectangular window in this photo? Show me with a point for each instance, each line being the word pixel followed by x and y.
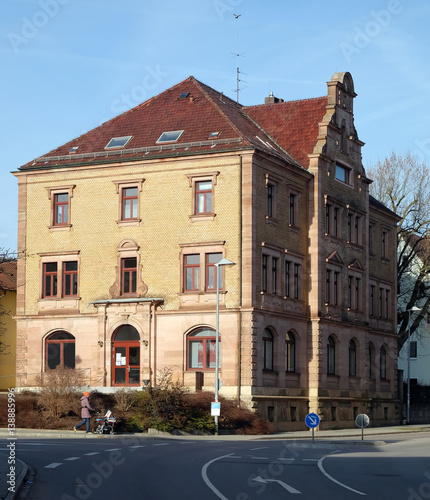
pixel 50 280
pixel 204 197
pixel 128 275
pixel 384 244
pixel 211 260
pixel 70 279
pixel 61 209
pixel 327 218
pixel 335 221
pixel 129 203
pixel 274 274
pixel 413 349
pixel 336 288
pixel 357 293
pixel 296 280
pixel 372 300
pixel 287 278
pixel 350 291
pixel 292 209
pixel 328 286
pixel 264 273
pixel 192 272
pixel 270 200
pixel 342 174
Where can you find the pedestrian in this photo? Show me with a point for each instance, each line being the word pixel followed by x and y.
pixel 85 413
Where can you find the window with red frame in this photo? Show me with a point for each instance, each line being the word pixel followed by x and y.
pixel 128 276
pixel 201 349
pixel 211 271
pixel 70 279
pixel 191 273
pixel 60 350
pixel 50 276
pixel 61 209
pixel 129 203
pixel 204 197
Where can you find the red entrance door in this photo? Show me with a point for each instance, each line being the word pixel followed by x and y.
pixel 126 357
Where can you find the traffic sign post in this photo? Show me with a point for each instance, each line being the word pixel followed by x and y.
pixel 312 420
pixel 362 421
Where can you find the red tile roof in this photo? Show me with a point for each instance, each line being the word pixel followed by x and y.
pixel 8 276
pixel 287 130
pixel 293 125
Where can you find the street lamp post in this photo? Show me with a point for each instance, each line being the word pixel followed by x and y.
pixel 408 400
pixel 222 262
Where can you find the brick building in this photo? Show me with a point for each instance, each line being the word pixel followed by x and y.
pixel 120 229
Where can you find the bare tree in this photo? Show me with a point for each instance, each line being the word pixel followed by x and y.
pixel 402 184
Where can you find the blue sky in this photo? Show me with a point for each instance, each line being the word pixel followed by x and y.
pixel 69 65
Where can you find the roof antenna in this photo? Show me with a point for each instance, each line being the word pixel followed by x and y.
pixel 238 72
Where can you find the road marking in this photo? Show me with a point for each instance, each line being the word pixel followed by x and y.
pixel 206 479
pixel 137 446
pixel 289 488
pixel 321 468
pixel 114 449
pixel 310 459
pixel 161 444
pixel 261 448
pixel 93 453
pixel 287 459
pixel 259 458
pixel 52 466
pixel 72 458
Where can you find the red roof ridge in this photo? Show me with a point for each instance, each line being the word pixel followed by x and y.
pixel 324 97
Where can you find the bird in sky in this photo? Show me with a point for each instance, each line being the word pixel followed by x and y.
pixel 236 15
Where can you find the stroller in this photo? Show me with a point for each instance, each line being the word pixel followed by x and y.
pixel 105 424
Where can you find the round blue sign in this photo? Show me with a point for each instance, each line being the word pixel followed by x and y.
pixel 312 420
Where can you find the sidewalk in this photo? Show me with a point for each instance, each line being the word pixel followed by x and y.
pixel 349 436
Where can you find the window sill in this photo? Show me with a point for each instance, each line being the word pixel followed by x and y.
pixel 204 217
pixel 271 220
pixel 128 223
pixel 62 227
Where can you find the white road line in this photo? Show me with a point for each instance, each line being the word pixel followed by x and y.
pixel 310 459
pixel 137 446
pixel 73 458
pixel 261 448
pixel 52 466
pixel 93 453
pixel 259 458
pixel 321 468
pixel 206 479
pixel 161 444
pixel 287 459
pixel 114 449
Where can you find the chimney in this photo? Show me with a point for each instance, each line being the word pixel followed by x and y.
pixel 272 99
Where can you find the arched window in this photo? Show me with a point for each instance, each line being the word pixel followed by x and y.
pixel 290 352
pixel 352 359
pixel 383 363
pixel 331 356
pixel 201 351
pixel 60 350
pixel 267 350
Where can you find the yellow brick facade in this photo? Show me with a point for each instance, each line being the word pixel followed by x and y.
pixel 269 216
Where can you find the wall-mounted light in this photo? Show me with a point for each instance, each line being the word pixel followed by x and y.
pixel 145 343
pixel 100 343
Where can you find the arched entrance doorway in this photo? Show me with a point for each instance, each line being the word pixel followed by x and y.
pixel 126 356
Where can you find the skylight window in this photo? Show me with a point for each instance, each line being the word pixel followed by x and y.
pixel 171 136
pixel 212 135
pixel 73 149
pixel 118 142
pixel 184 95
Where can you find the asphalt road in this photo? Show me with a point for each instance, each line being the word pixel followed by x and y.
pixel 161 469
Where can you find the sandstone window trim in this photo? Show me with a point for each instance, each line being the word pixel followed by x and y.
pixel 53 195
pixel 121 189
pixel 194 180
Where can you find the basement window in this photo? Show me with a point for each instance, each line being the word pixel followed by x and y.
pixel 118 142
pixel 171 136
